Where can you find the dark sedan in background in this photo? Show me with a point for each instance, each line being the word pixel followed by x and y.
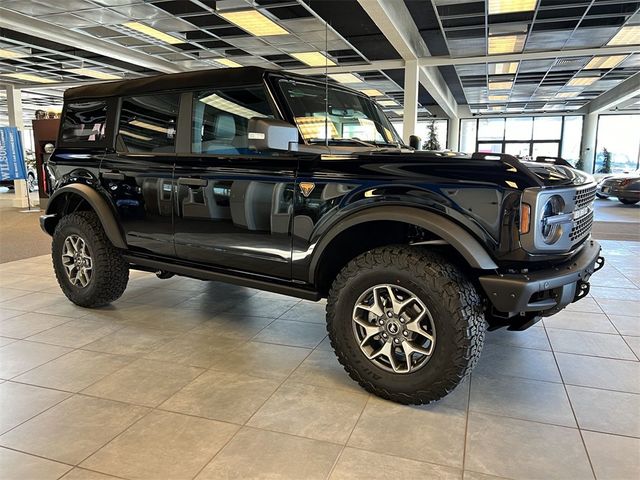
pixel 625 186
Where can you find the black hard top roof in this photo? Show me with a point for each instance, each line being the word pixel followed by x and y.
pixel 220 77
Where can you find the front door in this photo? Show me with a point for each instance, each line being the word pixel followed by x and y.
pixel 139 174
pixel 233 206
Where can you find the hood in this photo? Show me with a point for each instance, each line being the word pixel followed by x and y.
pixel 558 175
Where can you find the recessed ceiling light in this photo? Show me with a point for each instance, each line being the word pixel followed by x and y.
pixel 510 6
pixel 11 54
pixel 152 32
pixel 604 62
pixel 498 98
pixel 314 59
pixel 388 103
pixel 496 108
pixel 345 77
pixel 87 72
pixel 371 92
pixel 28 77
pixel 629 35
pixel 582 81
pixel 227 63
pixel 503 68
pixel 254 22
pixel 506 44
pixel 500 85
pixel 567 94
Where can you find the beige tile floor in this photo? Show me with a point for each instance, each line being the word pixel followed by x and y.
pixel 184 379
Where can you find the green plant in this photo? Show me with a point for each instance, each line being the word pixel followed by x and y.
pixel 432 142
pixel 606 161
pixel 580 164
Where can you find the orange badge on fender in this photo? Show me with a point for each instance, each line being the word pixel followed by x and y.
pixel 306 188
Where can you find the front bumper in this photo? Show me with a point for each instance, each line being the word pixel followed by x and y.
pixel 545 290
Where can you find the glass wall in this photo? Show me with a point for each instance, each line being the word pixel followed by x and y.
pixel 441 127
pixel 525 137
pixel 619 140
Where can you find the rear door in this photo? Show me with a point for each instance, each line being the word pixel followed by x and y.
pixel 138 174
pixel 233 206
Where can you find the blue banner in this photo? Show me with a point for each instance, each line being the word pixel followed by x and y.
pixel 11 154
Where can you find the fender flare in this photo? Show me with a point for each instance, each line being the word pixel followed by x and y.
pixel 98 204
pixel 456 236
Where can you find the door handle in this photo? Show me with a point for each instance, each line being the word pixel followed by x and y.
pixel 192 182
pixel 112 175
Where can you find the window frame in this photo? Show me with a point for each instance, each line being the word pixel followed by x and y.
pixel 116 125
pixel 530 141
pixel 104 142
pixel 188 128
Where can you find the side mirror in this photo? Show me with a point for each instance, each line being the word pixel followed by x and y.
pixel 272 134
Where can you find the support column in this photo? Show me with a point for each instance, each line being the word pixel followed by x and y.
pixel 453 134
pixel 410 118
pixel 14 107
pixel 589 130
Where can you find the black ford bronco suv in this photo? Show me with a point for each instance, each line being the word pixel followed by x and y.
pixel 282 183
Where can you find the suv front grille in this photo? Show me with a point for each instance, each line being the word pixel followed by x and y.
pixel 581 228
pixel 584 197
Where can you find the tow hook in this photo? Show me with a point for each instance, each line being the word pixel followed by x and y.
pixel 599 264
pixel 582 289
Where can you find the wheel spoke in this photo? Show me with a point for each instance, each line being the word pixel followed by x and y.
pixel 77 261
pixel 383 334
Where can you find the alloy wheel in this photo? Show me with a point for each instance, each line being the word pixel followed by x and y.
pixel 394 328
pixel 77 261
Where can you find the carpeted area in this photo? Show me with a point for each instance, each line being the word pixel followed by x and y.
pixel 20 234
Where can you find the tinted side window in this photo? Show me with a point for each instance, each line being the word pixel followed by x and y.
pixel 84 122
pixel 221 117
pixel 148 123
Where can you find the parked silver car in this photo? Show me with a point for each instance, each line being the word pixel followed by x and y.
pixel 625 186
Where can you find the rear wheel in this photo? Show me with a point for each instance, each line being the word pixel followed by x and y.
pixel 405 323
pixel 628 201
pixel 32 183
pixel 90 270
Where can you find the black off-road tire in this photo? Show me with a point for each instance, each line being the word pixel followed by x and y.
pixel 628 201
pixel 455 306
pixel 110 273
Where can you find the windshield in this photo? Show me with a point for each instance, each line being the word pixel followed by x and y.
pixel 352 119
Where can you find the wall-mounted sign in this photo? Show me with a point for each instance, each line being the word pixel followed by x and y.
pixel 11 154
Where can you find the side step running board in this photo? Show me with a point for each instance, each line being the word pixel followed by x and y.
pixel 270 285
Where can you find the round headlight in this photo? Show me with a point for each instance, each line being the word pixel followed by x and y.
pixel 551 232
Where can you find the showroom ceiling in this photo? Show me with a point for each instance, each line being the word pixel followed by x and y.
pixel 85 40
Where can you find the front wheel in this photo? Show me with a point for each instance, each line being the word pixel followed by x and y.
pixel 406 324
pixel 90 270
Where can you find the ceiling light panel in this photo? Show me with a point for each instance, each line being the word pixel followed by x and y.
pixel 567 94
pixel 28 77
pixel 87 72
pixel 388 103
pixel 510 6
pixel 345 78
pixel 371 92
pixel 500 85
pixel 314 59
pixel 604 62
pixel 582 81
pixel 506 44
pixel 11 54
pixel 629 35
pixel 153 33
pixel 498 98
pixel 227 63
pixel 254 22
pixel 503 68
